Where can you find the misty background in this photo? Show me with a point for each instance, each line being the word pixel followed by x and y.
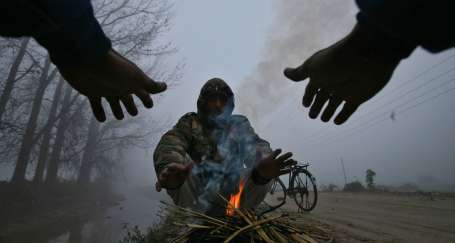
pixel 405 134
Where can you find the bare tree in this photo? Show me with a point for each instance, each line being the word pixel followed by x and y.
pixel 106 145
pixel 53 131
pixel 27 140
pixel 12 76
pixel 44 147
pixel 59 140
pixel 135 27
pixel 89 151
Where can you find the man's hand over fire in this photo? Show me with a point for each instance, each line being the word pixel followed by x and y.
pixel 115 78
pixel 173 176
pixel 274 165
pixel 352 71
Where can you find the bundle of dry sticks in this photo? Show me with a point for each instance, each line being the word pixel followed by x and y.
pixel 244 226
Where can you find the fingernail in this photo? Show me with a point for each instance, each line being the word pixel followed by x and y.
pixel 101 119
pixel 288 72
pixel 161 86
pixel 313 115
pixel 338 122
pixel 148 105
pixel 306 103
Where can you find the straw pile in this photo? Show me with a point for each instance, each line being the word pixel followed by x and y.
pixel 244 226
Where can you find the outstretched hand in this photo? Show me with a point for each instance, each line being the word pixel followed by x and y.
pixel 173 176
pixel 115 78
pixel 351 71
pixel 274 165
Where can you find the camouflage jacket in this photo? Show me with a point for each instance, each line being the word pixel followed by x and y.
pixel 190 137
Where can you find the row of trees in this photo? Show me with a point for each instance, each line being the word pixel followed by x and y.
pixel 47 131
pixel 354 186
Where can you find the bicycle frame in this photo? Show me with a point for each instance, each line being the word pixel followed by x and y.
pixel 294 168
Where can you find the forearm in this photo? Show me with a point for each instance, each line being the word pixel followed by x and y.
pixel 254 194
pixel 67 29
pixel 164 156
pixel 172 148
pixel 257 178
pixel 406 24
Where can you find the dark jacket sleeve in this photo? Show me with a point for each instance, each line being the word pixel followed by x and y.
pixel 68 29
pixel 406 24
pixel 174 144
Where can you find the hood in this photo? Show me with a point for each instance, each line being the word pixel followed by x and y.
pixel 214 86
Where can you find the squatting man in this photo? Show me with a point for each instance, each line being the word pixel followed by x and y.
pixel 209 151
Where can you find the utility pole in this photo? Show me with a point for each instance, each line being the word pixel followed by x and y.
pixel 344 171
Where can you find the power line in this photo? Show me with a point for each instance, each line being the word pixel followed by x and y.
pixel 407 82
pixel 386 113
pixel 428 82
pixel 397 99
pixel 428 99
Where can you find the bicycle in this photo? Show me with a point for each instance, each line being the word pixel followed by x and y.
pixel 301 187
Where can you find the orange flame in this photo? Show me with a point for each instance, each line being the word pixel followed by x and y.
pixel 234 201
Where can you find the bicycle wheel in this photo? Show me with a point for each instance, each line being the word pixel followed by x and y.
pixel 276 196
pixel 303 190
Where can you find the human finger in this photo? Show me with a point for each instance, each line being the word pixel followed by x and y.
pixel 321 98
pixel 130 106
pixel 333 104
pixel 284 157
pixel 114 102
pixel 297 74
pixel 97 108
pixel 310 91
pixel 345 113
pixel 145 98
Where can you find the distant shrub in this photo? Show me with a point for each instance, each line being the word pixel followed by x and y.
pixel 369 179
pixel 354 186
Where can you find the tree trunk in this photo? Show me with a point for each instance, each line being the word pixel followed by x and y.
pixel 52 168
pixel 44 147
pixel 27 139
pixel 89 150
pixel 11 79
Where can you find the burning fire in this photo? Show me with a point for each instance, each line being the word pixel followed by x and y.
pixel 234 201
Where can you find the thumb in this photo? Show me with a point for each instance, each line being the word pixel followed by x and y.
pixel 275 153
pixel 297 74
pixel 153 86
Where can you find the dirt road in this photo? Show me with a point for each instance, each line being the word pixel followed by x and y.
pixel 366 217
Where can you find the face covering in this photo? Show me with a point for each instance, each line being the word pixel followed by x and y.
pixel 223 118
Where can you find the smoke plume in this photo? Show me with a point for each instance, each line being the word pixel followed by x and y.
pixel 300 28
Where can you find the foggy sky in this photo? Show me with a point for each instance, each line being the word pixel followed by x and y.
pixel 248 43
